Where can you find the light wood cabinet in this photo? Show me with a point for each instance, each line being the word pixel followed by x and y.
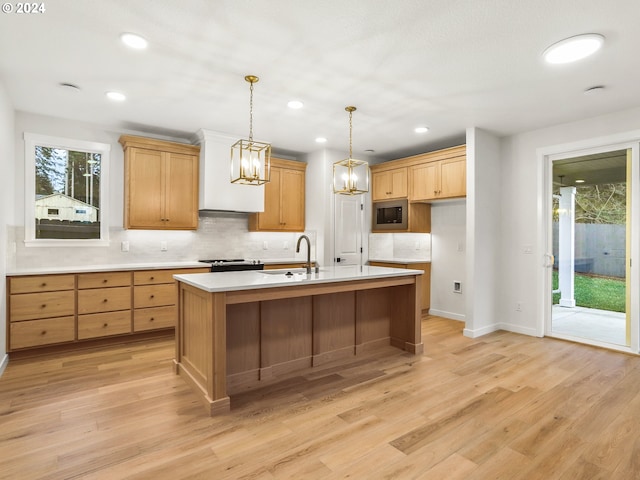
pixel 426 278
pixel 284 199
pixel 438 180
pixel 50 309
pixel 161 184
pixel 388 184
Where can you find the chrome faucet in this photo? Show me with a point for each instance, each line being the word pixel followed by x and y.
pixel 308 264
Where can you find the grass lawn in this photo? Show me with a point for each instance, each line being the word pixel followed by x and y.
pixel 596 292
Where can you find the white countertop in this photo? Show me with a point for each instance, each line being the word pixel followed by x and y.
pixel 105 268
pixel 255 279
pixel 404 261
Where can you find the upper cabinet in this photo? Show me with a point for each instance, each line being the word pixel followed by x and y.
pixel 161 184
pixel 283 199
pixel 438 175
pixel 388 183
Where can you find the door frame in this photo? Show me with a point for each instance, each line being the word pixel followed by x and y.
pixel 546 156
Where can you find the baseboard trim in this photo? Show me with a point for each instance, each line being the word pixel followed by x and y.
pixel 4 363
pixel 507 327
pixel 510 327
pixel 445 314
pixel 479 332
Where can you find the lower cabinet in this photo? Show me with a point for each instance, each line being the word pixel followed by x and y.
pixel 426 277
pixel 46 310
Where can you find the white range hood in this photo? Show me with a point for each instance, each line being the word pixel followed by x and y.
pixel 217 193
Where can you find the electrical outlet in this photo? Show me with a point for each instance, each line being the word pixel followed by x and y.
pixel 459 248
pixel 457 287
pixel 285 246
pixel 518 306
pixel 527 249
pixel 265 245
pixel 163 246
pixel 124 246
pixel 417 244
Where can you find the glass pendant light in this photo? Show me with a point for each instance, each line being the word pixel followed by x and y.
pixel 350 176
pixel 250 160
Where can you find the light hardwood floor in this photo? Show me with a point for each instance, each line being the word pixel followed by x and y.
pixel 503 406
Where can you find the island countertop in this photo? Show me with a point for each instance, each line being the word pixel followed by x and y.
pixel 256 279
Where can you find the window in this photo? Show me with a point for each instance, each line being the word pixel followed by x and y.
pixel 66 191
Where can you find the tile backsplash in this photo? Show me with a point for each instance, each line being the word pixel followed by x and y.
pixel 400 246
pixel 219 235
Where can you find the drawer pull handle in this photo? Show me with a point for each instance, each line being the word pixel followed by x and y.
pixel 105 325
pixel 151 278
pixel 151 296
pixel 151 319
pixel 105 300
pixel 44 305
pixel 105 280
pixel 43 332
pixel 43 284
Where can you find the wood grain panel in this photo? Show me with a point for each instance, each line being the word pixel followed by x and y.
pixel 373 315
pixel 41 283
pixel 153 318
pixel 243 337
pixel 154 295
pixel 285 330
pixel 41 332
pixel 104 324
pixel 195 347
pixel 104 300
pixel 31 306
pixel 333 324
pixel 104 279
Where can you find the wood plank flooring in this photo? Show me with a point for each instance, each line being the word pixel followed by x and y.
pixel 503 406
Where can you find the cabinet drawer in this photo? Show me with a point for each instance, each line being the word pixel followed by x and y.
pixel 41 332
pixel 104 300
pixel 153 318
pixel 29 306
pixel 42 283
pixel 153 277
pixel 155 295
pixel 104 324
pixel 105 279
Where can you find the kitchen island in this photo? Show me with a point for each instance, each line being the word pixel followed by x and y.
pixel 238 330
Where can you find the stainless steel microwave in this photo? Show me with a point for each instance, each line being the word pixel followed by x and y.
pixel 390 215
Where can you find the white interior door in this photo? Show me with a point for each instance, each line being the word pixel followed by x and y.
pixel 349 212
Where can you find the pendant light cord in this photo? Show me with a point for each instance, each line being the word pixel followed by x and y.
pixel 251 112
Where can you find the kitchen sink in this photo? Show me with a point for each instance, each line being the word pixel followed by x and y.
pixel 285 271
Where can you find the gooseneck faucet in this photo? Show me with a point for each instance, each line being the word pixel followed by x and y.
pixel 308 264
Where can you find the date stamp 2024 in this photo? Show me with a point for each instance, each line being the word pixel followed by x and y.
pixel 21 8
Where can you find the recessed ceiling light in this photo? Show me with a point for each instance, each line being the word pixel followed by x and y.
pixel 70 87
pixel 573 48
pixel 370 150
pixel 132 40
pixel 295 104
pixel 579 181
pixel 594 90
pixel 116 96
pixel 321 140
pixel 421 129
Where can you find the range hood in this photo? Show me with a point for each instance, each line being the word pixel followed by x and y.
pixel 217 193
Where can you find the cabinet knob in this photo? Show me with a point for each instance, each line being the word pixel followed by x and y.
pixel 105 325
pixel 151 278
pixel 151 319
pixel 44 305
pixel 104 301
pixel 105 280
pixel 43 332
pixel 151 296
pixel 43 284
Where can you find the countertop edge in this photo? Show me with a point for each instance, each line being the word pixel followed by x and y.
pixel 104 268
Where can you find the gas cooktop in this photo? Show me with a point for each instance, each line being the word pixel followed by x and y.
pixel 233 264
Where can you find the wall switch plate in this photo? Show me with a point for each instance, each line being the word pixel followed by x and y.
pixel 417 245
pixel 459 247
pixel 285 246
pixel 124 246
pixel 518 306
pixel 527 249
pixel 265 245
pixel 163 246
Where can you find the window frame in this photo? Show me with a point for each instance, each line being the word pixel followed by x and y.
pixel 31 140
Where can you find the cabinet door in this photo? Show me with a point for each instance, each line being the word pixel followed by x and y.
pixel 453 178
pixel 181 194
pixel 270 219
pixel 381 182
pixel 144 207
pixel 425 181
pixel 398 183
pixel 292 200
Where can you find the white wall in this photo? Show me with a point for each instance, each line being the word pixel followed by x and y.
pixel 521 196
pixel 448 257
pixel 6 197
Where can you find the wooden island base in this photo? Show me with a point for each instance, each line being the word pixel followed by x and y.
pixel 227 342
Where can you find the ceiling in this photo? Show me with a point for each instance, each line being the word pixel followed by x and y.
pixel 447 65
pixel 594 169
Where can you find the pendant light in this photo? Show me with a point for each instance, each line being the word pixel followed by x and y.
pixel 350 176
pixel 250 160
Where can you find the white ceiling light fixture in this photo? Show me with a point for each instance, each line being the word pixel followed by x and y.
pixel 134 41
pixel 350 176
pixel 116 96
pixel 295 104
pixel 321 140
pixel 594 90
pixel 250 160
pixel 579 181
pixel 573 48
pixel 421 129
pixel 69 87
